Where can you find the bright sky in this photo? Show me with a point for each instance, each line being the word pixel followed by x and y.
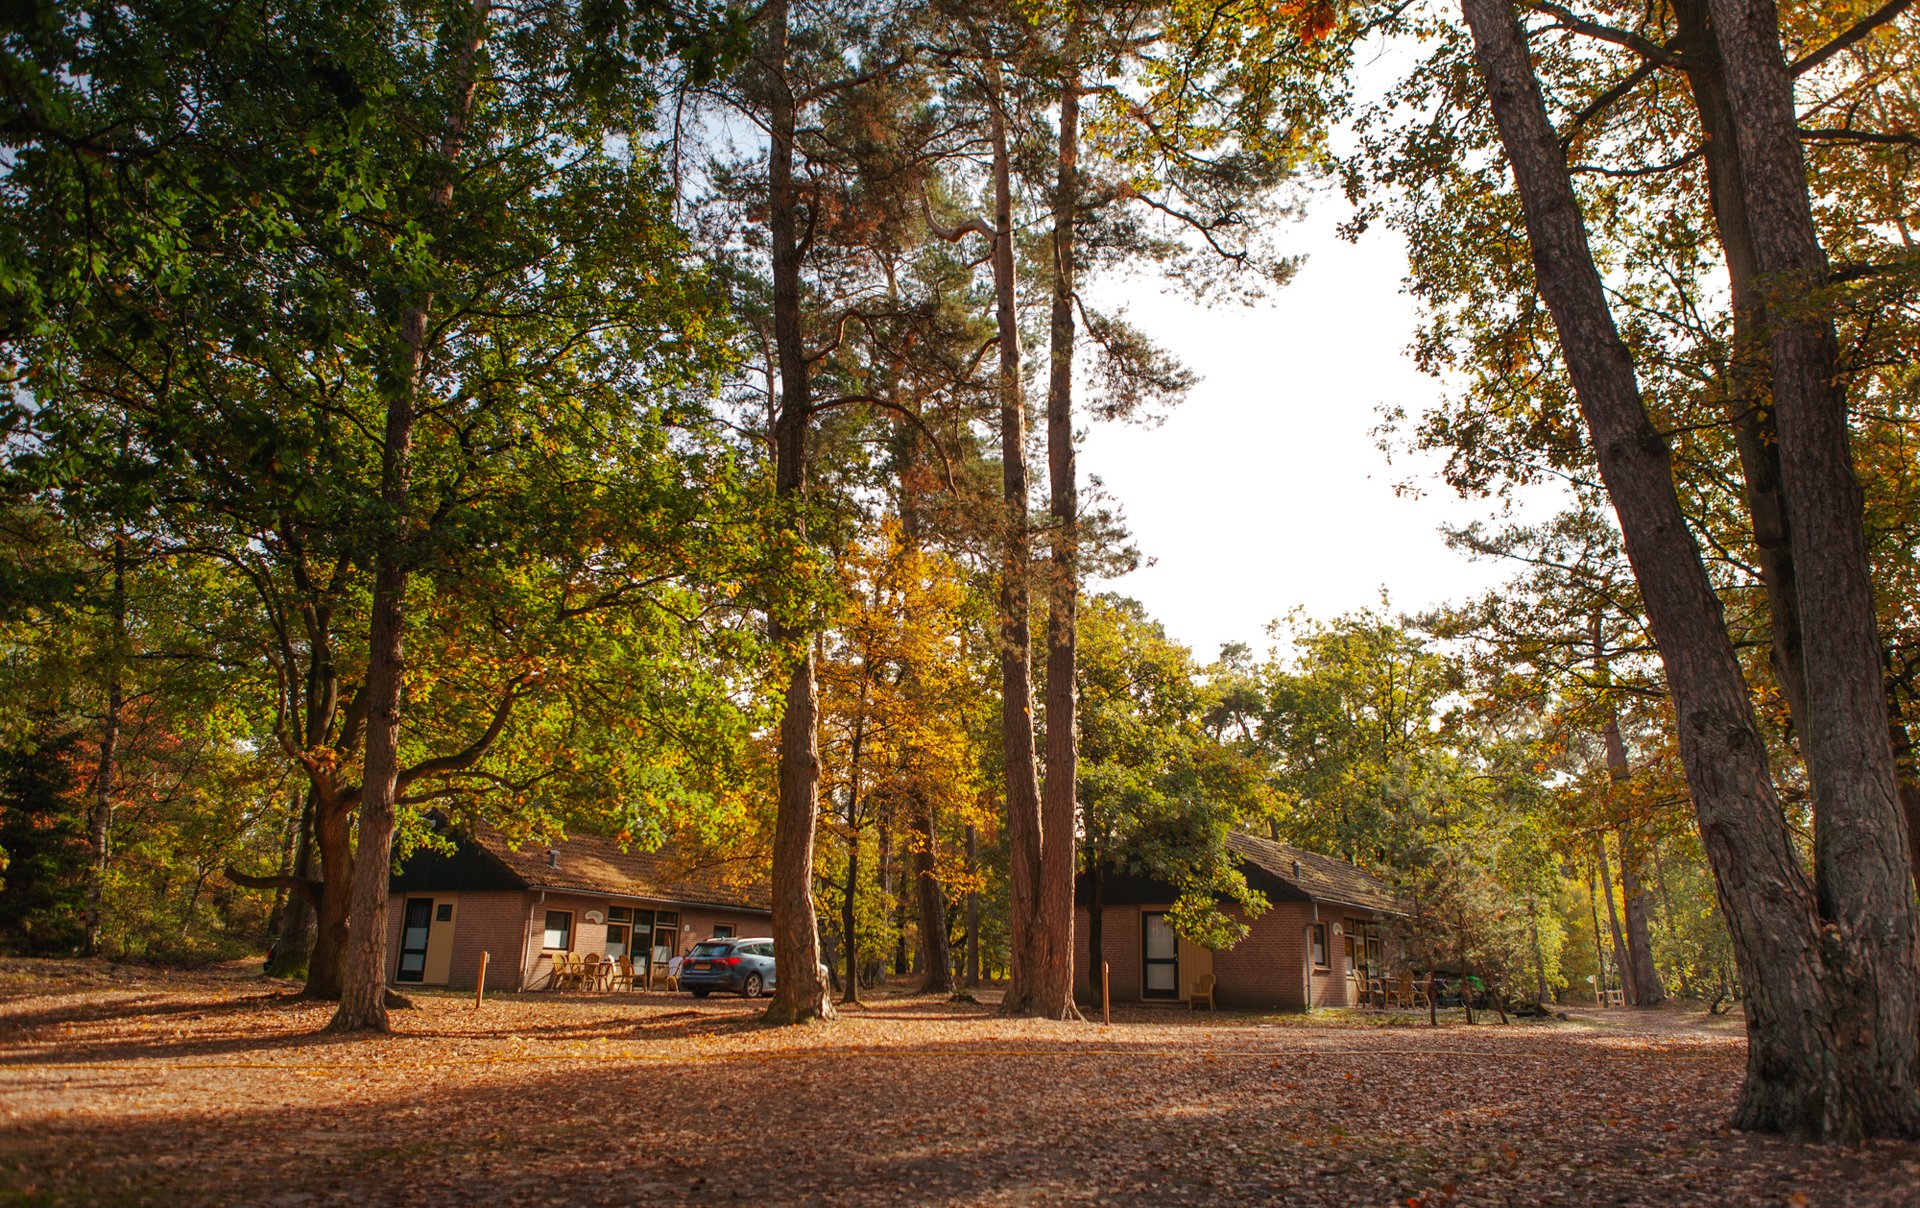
pixel 1267 489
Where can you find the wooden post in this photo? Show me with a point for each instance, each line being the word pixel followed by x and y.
pixel 1106 992
pixel 480 983
pixel 1433 1006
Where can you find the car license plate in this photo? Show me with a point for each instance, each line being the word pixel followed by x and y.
pixel 702 965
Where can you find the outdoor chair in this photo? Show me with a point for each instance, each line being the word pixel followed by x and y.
pixel 1202 993
pixel 561 975
pixel 591 970
pixel 1411 994
pixel 622 973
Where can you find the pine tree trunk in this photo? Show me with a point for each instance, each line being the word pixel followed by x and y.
pixel 849 917
pixel 1620 962
pixel 800 994
pixel 1639 978
pixel 363 990
pixel 1026 957
pixel 1541 993
pixel 1053 988
pixel 1863 873
pixel 936 958
pixel 1798 1080
pixel 973 907
pixel 100 820
pixel 1647 990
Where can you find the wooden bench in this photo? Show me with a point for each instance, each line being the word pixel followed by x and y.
pixel 1613 998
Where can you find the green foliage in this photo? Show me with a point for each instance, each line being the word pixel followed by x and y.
pixel 1159 793
pixel 43 845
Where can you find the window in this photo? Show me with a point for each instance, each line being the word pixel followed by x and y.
pixel 1319 945
pixel 666 936
pixel 443 913
pixel 1348 943
pixel 559 931
pixel 722 931
pixel 1161 952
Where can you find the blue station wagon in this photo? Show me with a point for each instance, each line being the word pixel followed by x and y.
pixel 743 966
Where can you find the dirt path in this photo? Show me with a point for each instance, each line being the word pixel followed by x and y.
pixel 212 1090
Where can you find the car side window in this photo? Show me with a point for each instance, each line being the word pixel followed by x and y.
pixel 763 950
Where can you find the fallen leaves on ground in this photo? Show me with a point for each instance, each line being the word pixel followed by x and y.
pixel 137 1087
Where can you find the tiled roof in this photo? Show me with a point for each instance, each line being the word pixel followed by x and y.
pixel 589 864
pixel 1315 875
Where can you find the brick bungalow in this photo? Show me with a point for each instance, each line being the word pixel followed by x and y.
pixel 1328 922
pixel 582 894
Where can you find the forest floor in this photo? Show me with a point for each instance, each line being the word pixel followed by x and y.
pixel 127 1085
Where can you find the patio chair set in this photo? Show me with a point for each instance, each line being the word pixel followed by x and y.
pixel 1403 993
pixel 592 971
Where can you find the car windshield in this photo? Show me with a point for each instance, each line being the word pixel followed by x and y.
pixel 711 949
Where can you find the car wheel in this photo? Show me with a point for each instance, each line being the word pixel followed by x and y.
pixel 701 993
pixel 752 987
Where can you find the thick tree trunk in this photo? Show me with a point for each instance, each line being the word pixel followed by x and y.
pixel 936 958
pixel 1798 1078
pixel 363 989
pixel 363 992
pixel 800 993
pixel 1747 391
pixel 1647 989
pixel 1052 991
pixel 1026 958
pixel 1864 877
pixel 100 820
pixel 333 835
pixel 1909 779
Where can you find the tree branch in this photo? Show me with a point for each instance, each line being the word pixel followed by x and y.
pixel 1860 29
pixel 306 887
pixel 461 760
pixel 887 404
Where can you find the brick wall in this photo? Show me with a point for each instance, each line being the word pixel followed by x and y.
pixel 506 925
pixel 1266 969
pixel 1120 947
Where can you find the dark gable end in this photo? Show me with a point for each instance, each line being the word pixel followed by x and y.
pixel 470 869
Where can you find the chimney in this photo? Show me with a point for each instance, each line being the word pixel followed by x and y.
pixel 553 857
